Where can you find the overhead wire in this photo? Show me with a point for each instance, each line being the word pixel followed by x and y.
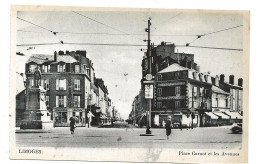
pixel 137 45
pixel 200 36
pixel 86 33
pixel 102 23
pixel 98 22
pixel 53 32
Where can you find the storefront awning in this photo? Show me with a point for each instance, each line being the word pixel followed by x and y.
pixel 237 115
pixel 222 115
pixel 232 116
pixel 211 115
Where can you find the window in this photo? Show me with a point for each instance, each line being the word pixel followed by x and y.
pixel 205 106
pixel 194 91
pixel 159 105
pixel 45 68
pixel 201 91
pixel 177 104
pixel 76 101
pixel 77 84
pixel 77 68
pixel 45 84
pixel 159 91
pixel 47 101
pixel 60 84
pixel 206 93
pixel 32 67
pixel 31 82
pixel 88 72
pixel 61 117
pixel 227 102
pixel 61 68
pixel 159 77
pixel 177 91
pixel 61 101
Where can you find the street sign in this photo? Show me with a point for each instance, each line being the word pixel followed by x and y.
pixel 149 91
pixel 148 77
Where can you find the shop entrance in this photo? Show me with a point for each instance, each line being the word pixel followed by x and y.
pixel 79 118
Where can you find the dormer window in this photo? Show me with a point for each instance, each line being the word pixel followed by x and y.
pixel 32 67
pixel 61 68
pixel 76 68
pixel 45 68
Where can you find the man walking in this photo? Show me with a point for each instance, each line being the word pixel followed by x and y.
pixel 168 127
pixel 72 124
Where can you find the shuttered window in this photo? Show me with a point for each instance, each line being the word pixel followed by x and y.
pixel 61 84
pixel 77 84
pixel 61 101
pixel 76 101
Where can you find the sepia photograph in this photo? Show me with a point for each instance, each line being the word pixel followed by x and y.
pixel 137 85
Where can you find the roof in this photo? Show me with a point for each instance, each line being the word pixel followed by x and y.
pixel 173 67
pixel 40 58
pixel 218 90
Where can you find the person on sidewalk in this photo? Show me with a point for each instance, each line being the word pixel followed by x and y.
pixel 180 124
pixel 168 127
pixel 72 124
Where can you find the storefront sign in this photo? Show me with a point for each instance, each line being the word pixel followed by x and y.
pixel 170 97
pixel 171 84
pixel 149 91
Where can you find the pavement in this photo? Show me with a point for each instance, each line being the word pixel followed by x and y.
pixel 197 138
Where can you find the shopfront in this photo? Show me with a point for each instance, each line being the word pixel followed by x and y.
pixel 62 115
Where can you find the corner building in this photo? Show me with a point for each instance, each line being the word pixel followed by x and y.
pixel 181 93
pixel 67 78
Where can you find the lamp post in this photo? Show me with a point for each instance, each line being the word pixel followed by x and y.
pixel 148 131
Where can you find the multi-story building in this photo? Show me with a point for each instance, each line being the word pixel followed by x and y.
pixel 182 94
pixel 103 100
pixel 66 77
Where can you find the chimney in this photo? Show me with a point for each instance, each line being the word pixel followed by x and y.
pixel 217 81
pixel 222 78
pixel 61 52
pixel 197 68
pixel 162 43
pixel 84 53
pixel 231 79
pixel 55 56
pixel 67 52
pixel 240 82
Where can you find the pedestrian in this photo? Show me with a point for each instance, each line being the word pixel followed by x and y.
pixel 163 123
pixel 72 124
pixel 180 124
pixel 168 127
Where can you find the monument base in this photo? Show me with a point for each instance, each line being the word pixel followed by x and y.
pixel 31 124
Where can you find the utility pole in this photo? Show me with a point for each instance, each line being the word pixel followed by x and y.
pixel 148 131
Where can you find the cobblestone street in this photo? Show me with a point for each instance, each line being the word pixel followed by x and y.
pixel 199 138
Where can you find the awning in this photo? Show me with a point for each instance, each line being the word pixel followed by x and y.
pixel 222 115
pixel 231 114
pixel 211 115
pixel 237 115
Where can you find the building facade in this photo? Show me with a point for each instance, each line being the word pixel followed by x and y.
pixel 70 84
pixel 182 94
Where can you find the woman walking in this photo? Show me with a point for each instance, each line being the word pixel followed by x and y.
pixel 168 127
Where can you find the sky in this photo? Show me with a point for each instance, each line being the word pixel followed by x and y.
pixel 120 66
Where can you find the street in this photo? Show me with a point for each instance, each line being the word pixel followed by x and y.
pixel 199 138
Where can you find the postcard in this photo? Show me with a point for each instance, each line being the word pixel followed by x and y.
pixel 129 85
